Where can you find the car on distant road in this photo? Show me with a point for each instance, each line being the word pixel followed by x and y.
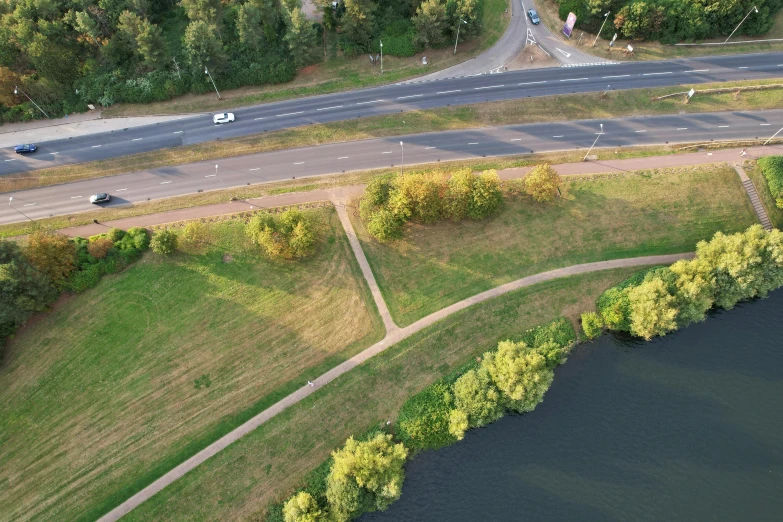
pixel 99 198
pixel 27 148
pixel 534 17
pixel 223 117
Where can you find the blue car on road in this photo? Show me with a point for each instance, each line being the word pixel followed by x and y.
pixel 25 149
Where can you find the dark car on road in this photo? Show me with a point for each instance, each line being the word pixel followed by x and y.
pixel 100 198
pixel 534 17
pixel 26 148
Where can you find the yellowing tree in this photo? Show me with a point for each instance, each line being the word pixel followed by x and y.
pixel 652 309
pixel 541 183
pixel 477 402
pixel 52 254
pixel 302 507
pixel 520 373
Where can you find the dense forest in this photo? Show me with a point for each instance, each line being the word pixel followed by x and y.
pixel 671 21
pixel 66 54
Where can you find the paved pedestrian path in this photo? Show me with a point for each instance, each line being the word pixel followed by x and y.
pixel 750 188
pixel 392 337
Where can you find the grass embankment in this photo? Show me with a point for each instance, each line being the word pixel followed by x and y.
pixel 635 102
pixel 269 463
pixel 599 218
pixel 757 176
pixel 336 74
pixel 650 50
pixel 118 385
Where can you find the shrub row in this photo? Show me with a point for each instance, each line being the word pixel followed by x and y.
pixel 105 254
pixel 772 168
pixel 726 270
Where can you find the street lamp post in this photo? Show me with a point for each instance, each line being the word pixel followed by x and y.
pixel 606 16
pixel 739 24
pixel 457 40
pixel 206 71
pixel 17 90
pixel 13 207
pixel 402 162
pixel 593 145
pixel 381 56
pixel 770 139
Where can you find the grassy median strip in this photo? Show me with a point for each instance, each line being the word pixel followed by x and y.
pixel 265 466
pixel 119 384
pixel 599 217
pixel 615 104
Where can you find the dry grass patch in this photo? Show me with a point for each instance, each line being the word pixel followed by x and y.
pixel 265 466
pixel 600 217
pixel 121 383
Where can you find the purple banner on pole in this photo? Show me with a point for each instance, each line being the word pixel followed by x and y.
pixel 569 25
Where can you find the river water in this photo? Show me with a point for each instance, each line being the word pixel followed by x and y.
pixel 687 427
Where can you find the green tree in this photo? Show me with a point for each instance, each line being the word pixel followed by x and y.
pixel 249 26
pixel 652 309
pixel 460 194
pixel 202 46
pixel 694 291
pixel 365 475
pixel 541 183
pixel 53 254
pixel 358 24
pixel 520 373
pixel 477 402
pixel 430 23
pixel 302 239
pixel 591 325
pixel 301 38
pixel 195 235
pixel 384 225
pixel 208 11
pixel 164 242
pixel 302 507
pixel 486 197
pixel 598 7
pixel 151 46
pixel 23 289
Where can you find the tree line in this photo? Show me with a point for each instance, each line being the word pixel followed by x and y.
pixel 671 21
pixel 66 55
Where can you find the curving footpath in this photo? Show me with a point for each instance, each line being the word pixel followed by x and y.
pixel 393 336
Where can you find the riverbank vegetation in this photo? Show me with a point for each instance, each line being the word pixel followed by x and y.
pixel 120 383
pixel 726 270
pixel 772 167
pixel 597 218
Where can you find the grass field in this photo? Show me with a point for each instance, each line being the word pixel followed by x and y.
pixel 775 213
pixel 265 466
pixel 616 104
pixel 599 218
pixel 651 50
pixel 336 74
pixel 120 384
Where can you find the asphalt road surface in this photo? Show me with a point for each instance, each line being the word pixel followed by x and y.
pixel 416 149
pixel 393 99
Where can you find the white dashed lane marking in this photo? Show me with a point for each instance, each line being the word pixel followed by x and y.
pixel 137 139
pixel 327 108
pixel 448 92
pixel 531 83
pixel 290 114
pixel 164 182
pixel 343 157
pixel 365 103
pixel 257 168
pixel 490 87
pixel 574 79
pixel 95 146
pixel 299 163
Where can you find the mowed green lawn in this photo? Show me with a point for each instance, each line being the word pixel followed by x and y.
pixel 120 384
pixel 599 218
pixel 240 482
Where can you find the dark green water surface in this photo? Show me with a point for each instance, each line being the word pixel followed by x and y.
pixel 687 427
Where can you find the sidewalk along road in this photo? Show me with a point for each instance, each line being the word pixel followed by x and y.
pixel 370 154
pixel 347 192
pixel 393 99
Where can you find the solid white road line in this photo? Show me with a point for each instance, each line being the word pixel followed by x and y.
pixel 95 146
pixel 531 83
pixel 137 139
pixel 617 76
pixel 164 182
pixel 327 108
pixel 449 92
pixel 257 168
pixel 490 87
pixel 343 157
pixel 210 175
pixel 365 103
pixel 299 163
pixel 574 79
pixel 290 114
pixel 411 96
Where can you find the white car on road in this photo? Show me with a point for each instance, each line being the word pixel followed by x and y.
pixel 223 117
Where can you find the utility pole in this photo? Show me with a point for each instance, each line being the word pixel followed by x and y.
pixel 13 207
pixel 206 71
pixel 778 132
pixel 16 89
pixel 739 24
pixel 461 21
pixel 593 145
pixel 402 163
pixel 606 16
pixel 381 56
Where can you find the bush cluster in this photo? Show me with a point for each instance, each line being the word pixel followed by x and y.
pixel 389 202
pixel 772 167
pixel 671 21
pixel 291 235
pixel 726 270
pixel 105 254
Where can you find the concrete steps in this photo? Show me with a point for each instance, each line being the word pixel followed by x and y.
pixel 755 200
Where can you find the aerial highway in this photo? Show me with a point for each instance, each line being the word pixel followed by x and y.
pixel 396 98
pixel 281 165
